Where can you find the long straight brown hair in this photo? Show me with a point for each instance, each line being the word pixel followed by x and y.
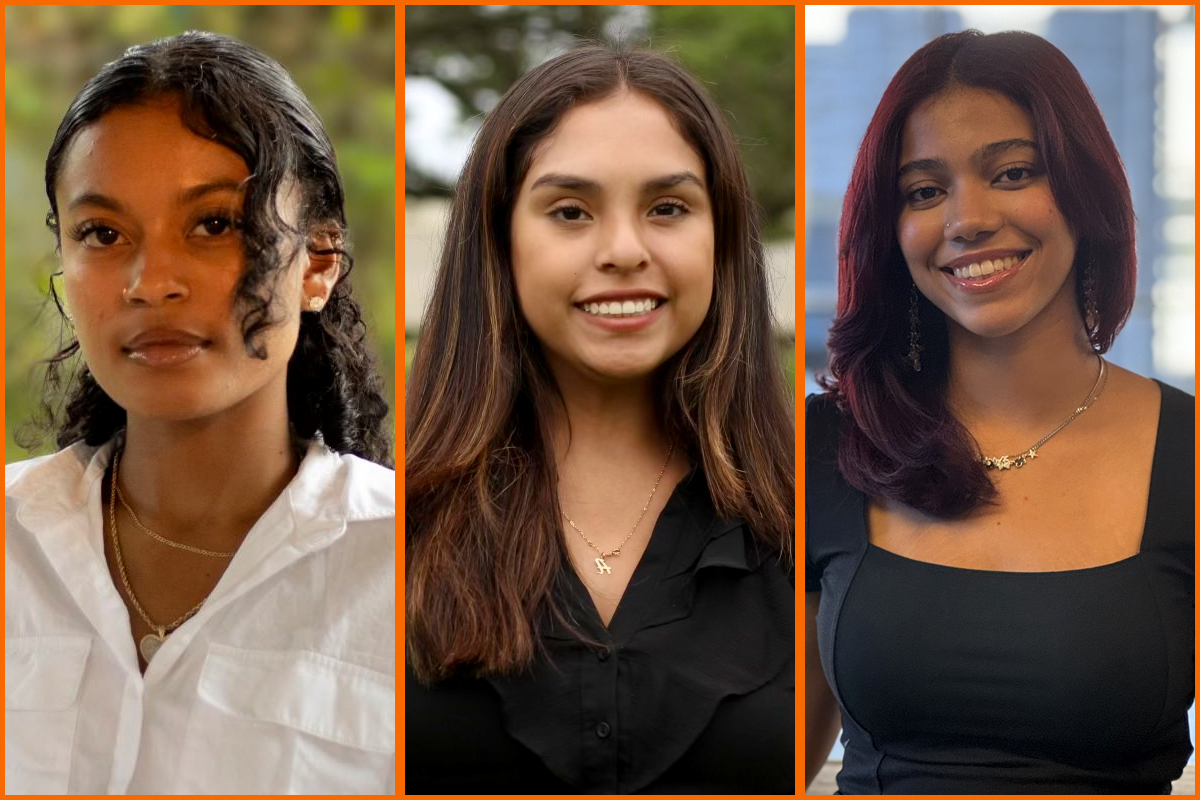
pixel 482 526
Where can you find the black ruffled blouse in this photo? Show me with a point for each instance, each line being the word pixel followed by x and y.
pixel 692 690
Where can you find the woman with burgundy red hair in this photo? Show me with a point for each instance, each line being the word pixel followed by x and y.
pixel 1000 525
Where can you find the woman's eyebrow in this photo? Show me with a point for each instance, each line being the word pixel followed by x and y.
pixel 993 149
pixel 187 195
pixel 96 199
pixel 201 189
pixel 561 181
pixel 985 153
pixel 673 180
pixel 584 185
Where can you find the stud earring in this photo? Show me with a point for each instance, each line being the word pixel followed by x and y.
pixel 315 303
pixel 914 330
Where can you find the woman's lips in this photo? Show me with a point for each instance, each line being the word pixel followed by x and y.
pixel 163 346
pixel 986 283
pixel 164 354
pixel 624 323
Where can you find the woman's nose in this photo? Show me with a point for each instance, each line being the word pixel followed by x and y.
pixel 622 247
pixel 155 278
pixel 970 215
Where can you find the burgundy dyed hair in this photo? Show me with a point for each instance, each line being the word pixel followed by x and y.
pixel 902 442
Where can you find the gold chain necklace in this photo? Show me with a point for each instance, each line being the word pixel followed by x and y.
pixel 151 642
pixel 1021 459
pixel 168 542
pixel 601 566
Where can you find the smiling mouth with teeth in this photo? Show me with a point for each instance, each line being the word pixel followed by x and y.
pixel 622 308
pixel 984 268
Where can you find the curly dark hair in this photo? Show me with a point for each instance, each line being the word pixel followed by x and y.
pixel 236 96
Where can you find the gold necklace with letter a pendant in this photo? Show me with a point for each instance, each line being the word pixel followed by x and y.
pixel 602 567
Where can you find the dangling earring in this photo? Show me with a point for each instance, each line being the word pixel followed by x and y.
pixel 914 330
pixel 1091 311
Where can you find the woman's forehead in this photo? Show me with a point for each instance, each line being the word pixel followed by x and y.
pixel 144 149
pixel 962 119
pixel 625 134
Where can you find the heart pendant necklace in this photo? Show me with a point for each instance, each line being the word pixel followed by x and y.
pixel 151 643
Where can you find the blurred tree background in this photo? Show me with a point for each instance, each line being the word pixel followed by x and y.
pixel 342 57
pixel 745 55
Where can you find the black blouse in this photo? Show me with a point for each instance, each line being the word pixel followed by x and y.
pixel 691 691
pixel 964 681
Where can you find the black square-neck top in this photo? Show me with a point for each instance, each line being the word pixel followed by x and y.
pixel 963 681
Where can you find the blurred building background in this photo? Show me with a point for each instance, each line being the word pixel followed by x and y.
pixel 1140 65
pixel 342 57
pixel 459 60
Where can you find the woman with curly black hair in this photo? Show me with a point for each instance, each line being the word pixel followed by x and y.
pixel 200 585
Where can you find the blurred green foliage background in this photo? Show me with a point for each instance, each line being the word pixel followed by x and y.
pixel 343 57
pixel 745 55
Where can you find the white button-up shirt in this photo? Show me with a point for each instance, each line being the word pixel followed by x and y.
pixel 284 682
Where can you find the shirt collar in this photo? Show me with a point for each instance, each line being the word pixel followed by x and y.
pixel 688 536
pixel 717 541
pixel 328 490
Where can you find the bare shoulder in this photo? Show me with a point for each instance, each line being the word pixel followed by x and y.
pixel 1129 399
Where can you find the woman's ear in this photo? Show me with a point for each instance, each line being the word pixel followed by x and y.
pixel 323 269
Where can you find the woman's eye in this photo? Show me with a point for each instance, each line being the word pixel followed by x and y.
pixel 669 210
pixel 1014 175
pixel 105 237
pixel 569 214
pixel 92 235
pixel 922 194
pixel 214 225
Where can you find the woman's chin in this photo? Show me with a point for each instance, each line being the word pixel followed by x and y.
pixel 617 370
pixel 990 326
pixel 173 407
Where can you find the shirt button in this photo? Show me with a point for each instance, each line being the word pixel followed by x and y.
pixel 603 729
pixel 603 653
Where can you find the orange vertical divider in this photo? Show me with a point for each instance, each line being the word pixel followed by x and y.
pixel 399 412
pixel 800 371
pixel 799 338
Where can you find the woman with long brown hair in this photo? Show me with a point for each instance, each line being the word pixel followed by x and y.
pixel 1000 543
pixel 599 456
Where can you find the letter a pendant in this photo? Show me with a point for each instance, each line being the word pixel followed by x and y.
pixel 601 567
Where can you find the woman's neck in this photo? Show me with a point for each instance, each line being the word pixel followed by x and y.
pixel 606 429
pixel 206 481
pixel 1021 381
